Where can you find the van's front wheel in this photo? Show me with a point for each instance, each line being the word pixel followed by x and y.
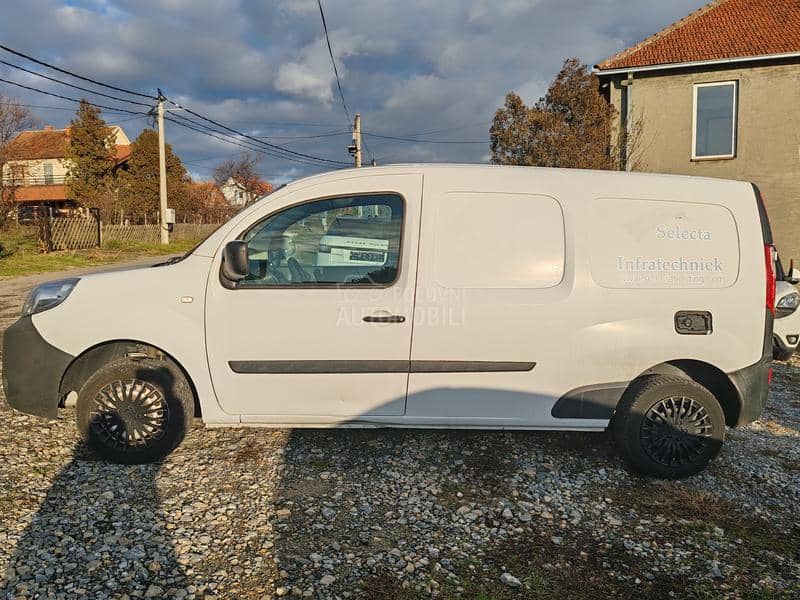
pixel 135 412
pixel 669 427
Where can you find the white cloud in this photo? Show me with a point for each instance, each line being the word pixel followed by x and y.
pixel 407 67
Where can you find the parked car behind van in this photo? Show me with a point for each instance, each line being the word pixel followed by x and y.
pixel 787 318
pixel 506 298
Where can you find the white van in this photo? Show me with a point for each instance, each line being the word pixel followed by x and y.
pixel 509 298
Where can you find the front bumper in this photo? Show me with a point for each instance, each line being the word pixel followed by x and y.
pixel 786 331
pixel 32 370
pixel 784 343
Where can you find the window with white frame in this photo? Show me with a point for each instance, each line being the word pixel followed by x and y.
pixel 714 120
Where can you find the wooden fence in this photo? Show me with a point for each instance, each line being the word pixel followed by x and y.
pixel 147 234
pixel 64 233
pixel 69 234
pixel 192 231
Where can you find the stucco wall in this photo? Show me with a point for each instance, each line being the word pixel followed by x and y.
pixel 34 169
pixel 768 145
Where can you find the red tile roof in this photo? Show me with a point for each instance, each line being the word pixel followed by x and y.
pixel 35 145
pixel 48 143
pixel 722 29
pixel 123 153
pixel 39 193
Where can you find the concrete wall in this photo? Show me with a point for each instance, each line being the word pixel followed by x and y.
pixel 768 146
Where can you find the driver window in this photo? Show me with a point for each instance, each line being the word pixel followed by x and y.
pixel 351 240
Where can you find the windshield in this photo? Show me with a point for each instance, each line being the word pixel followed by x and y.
pixel 177 259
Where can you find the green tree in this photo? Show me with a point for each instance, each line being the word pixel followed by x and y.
pixel 90 159
pixel 139 184
pixel 570 127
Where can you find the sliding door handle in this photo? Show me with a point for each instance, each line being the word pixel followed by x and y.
pixel 384 319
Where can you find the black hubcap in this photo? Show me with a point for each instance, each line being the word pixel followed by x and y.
pixel 129 414
pixel 676 431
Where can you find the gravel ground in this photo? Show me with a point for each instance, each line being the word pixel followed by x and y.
pixel 256 513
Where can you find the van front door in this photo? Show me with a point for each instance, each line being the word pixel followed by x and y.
pixel 320 330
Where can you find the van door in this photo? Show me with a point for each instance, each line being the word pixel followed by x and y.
pixel 489 288
pixel 320 330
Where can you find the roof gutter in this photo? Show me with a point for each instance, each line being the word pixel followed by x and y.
pixel 697 63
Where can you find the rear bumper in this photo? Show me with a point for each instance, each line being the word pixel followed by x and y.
pixel 32 370
pixel 752 383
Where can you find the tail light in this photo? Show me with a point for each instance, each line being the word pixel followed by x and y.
pixel 769 250
pixel 769 263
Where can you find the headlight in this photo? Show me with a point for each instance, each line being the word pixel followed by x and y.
pixel 787 305
pixel 48 295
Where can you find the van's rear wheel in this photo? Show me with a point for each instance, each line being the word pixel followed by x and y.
pixel 135 411
pixel 669 427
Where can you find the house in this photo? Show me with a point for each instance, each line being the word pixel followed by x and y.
pixel 238 195
pixel 717 94
pixel 35 169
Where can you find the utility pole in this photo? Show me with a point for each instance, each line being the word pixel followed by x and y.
pixel 162 171
pixel 355 148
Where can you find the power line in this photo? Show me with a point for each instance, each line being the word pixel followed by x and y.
pixel 263 147
pixel 266 149
pixel 71 74
pixel 125 120
pixel 230 140
pixel 33 89
pixel 275 124
pixel 77 87
pixel 303 137
pixel 207 158
pixel 371 155
pixel 273 147
pixel 333 61
pixel 405 139
pixel 56 107
pixel 432 131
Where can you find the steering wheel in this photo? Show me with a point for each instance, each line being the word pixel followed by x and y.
pixel 298 273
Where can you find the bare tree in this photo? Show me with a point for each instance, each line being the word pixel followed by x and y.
pixel 243 170
pixel 14 118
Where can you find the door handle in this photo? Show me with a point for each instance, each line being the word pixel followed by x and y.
pixel 384 319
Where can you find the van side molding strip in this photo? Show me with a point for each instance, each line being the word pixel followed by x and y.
pixel 469 366
pixel 301 367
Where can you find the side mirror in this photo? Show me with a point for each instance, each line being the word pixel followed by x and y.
pixel 235 265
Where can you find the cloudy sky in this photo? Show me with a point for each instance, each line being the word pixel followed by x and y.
pixel 424 69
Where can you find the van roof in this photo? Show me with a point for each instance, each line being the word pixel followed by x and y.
pixel 439 167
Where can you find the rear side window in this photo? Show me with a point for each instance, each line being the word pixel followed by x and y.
pixel 652 244
pixel 489 240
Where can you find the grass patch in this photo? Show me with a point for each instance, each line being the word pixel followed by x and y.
pixel 704 510
pixel 582 566
pixel 20 255
pixel 573 569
